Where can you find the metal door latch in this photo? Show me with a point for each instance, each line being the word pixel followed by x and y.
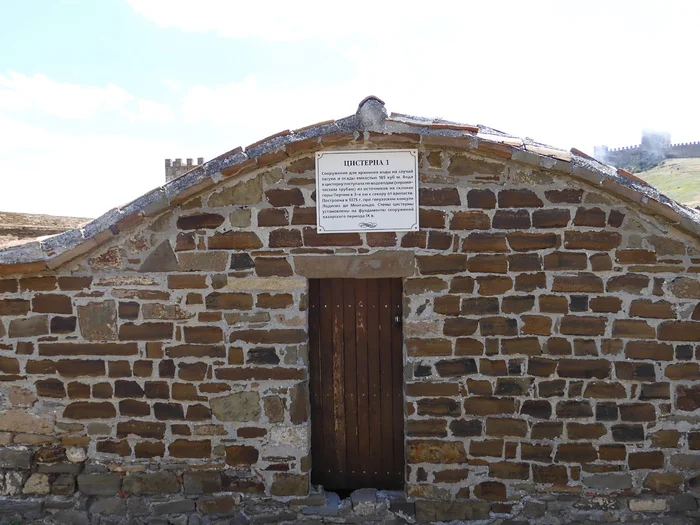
pixel 398 320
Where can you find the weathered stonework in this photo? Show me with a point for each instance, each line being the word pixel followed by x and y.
pixel 551 332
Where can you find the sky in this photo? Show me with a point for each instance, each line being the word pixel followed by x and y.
pixel 95 94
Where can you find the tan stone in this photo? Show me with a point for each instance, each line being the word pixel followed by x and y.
pixel 165 311
pixel 98 321
pixel 126 280
pixel 240 218
pixel 267 284
pixel 29 326
pixel 239 406
pixel 685 288
pixel 203 261
pixel 15 421
pixel 436 451
pixel 375 266
pixel 247 192
pixel 37 484
pixel 274 408
pixel 20 397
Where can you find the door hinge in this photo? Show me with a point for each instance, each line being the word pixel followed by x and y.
pixel 398 320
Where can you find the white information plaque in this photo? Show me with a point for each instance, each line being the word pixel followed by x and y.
pixel 367 190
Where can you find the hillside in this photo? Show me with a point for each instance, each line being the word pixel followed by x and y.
pixel 677 178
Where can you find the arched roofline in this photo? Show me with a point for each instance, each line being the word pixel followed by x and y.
pixel 370 122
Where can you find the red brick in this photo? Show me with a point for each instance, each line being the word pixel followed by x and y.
pixel 581 282
pixel 468 346
pixel 534 452
pixel 536 325
pixel 96 349
pixel 273 217
pixel 428 347
pixel 484 406
pixel 584 368
pixel 637 412
pixel 629 328
pixel 440 241
pixel 524 262
pixel 183 448
pixel 550 474
pixel 88 410
pixel 591 240
pixel 630 283
pixel 498 326
pixel 285 197
pixel 606 304
pixel 285 238
pixel 381 238
pixel 488 264
pixel 518 199
pixel 485 242
pixel 529 282
pixel 605 390
pixel 590 217
pixel 582 325
pixel 487 447
pixel 635 371
pixel 484 199
pixel 541 367
pixel 145 331
pixel 185 281
pixel 470 220
pixel 553 304
pixel 576 453
pixel 567 196
pixel 650 309
pixel 521 345
pixel 683 371
pixel 48 303
pixel 203 334
pixel 431 218
pixel 679 331
pixel 304 216
pixel 439 197
pixel 200 221
pixel 552 218
pixel 442 264
pixel 414 239
pixel 511 220
pixel 525 242
pixel 646 460
pixel 635 257
pixel 565 261
pixel 509 470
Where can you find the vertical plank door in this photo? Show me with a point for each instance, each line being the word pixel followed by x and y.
pixel 356 361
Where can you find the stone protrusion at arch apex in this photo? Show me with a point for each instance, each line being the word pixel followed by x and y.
pixel 157 363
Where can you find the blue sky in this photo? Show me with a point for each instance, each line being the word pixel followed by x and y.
pixel 95 94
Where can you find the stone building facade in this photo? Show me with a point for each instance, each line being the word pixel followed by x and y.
pixel 155 362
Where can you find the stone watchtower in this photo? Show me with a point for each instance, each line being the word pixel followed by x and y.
pixel 175 168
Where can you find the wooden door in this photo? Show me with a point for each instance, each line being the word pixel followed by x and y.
pixel 356 361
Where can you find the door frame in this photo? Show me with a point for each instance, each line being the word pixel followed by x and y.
pixel 341 365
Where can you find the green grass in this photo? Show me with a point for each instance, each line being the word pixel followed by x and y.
pixel 676 178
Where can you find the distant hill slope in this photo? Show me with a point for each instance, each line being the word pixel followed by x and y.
pixel 676 178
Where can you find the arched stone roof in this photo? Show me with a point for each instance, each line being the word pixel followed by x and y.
pixel 370 122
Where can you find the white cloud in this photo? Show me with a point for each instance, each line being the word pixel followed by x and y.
pixel 38 92
pixel 78 175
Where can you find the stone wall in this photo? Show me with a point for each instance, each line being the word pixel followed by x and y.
pixel 551 348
